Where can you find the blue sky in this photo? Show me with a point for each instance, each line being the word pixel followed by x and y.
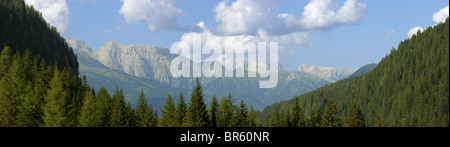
pixel 362 33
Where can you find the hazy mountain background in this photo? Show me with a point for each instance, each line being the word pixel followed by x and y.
pixel 134 67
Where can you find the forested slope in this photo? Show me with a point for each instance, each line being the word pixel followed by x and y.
pixel 409 87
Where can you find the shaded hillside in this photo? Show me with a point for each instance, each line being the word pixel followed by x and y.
pixel 22 27
pixel 365 69
pixel 410 87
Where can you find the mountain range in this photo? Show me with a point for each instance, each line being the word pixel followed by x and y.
pixel 138 67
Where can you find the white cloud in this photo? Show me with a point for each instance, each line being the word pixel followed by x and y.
pixel 287 43
pixel 414 30
pixel 159 14
pixel 389 34
pixel 55 12
pixel 441 15
pixel 250 16
pixel 244 16
pixel 113 29
pixel 324 14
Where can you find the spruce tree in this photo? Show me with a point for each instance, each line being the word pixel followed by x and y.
pixel 240 117
pixel 197 112
pixel 90 113
pixel 130 116
pixel 330 118
pixel 118 112
pixel 11 94
pixel 355 117
pixel 144 113
pixel 168 115
pixel 54 109
pixel 297 118
pixel 314 118
pixel 213 111
pixel 181 110
pixel 226 110
pixel 5 60
pixel 252 118
pixel 104 104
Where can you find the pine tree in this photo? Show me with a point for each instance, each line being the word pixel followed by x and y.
pixel 181 110
pixel 330 118
pixel 240 117
pixel 104 104
pixel 226 110
pixel 118 112
pixel 54 109
pixel 213 111
pixel 355 117
pixel 197 112
pixel 297 118
pixel 168 115
pixel 90 113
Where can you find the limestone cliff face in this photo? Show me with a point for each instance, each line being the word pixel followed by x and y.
pixel 331 74
pixel 149 62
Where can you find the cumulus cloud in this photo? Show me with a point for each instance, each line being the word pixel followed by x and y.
pixel 159 14
pixel 250 16
pixel 441 15
pixel 414 31
pixel 232 43
pixel 55 12
pixel 324 14
pixel 253 21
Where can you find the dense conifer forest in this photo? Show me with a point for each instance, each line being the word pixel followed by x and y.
pixel 40 87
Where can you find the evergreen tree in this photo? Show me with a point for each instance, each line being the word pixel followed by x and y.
pixel 240 117
pixel 181 110
pixel 5 60
pixel 104 105
pixel 54 109
pixel 130 116
pixel 355 117
pixel 297 118
pixel 252 118
pixel 314 118
pixel 144 113
pixel 168 115
pixel 11 94
pixel 330 118
pixel 118 112
pixel 226 110
pixel 213 111
pixel 197 112
pixel 90 113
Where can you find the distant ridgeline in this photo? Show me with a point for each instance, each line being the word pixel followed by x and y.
pixel 409 87
pixel 22 28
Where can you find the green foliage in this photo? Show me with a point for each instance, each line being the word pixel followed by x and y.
pixel 409 87
pixel 330 118
pixel 22 28
pixel 355 117
pixel 197 113
pixel 297 118
pixel 226 109
pixel 119 111
pixel 213 111
pixel 240 117
pixel 181 110
pixel 168 115
pixel 90 113
pixel 145 115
